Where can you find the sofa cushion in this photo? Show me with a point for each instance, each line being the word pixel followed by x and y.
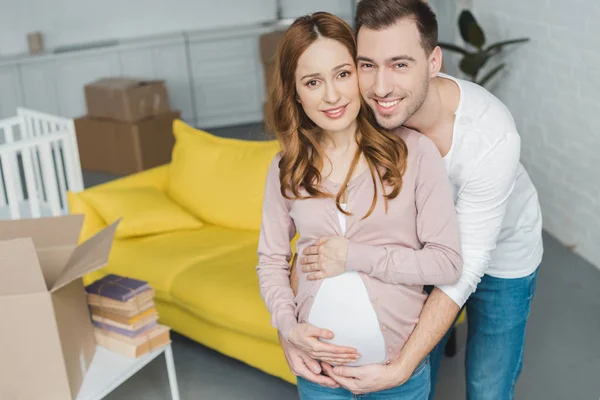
pixel 144 211
pixel 158 259
pixel 92 221
pixel 224 290
pixel 219 180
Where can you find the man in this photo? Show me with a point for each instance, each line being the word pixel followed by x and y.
pixel 496 203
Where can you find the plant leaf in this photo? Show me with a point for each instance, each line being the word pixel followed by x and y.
pixel 453 47
pixel 472 63
pixel 470 30
pixel 490 75
pixel 497 47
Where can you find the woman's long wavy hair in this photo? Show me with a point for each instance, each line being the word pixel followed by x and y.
pixel 299 137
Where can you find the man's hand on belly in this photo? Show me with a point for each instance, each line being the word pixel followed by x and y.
pixel 326 258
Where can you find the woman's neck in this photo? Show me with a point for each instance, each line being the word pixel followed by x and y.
pixel 340 141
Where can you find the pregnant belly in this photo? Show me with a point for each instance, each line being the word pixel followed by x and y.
pixel 342 305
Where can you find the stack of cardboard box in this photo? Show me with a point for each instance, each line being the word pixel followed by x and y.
pixel 128 126
pixel 124 317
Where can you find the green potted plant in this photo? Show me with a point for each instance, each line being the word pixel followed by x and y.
pixel 473 62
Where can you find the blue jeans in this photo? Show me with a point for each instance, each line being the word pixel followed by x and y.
pixel 496 319
pixel 416 388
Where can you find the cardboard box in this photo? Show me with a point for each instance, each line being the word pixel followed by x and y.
pixel 268 48
pixel 121 148
pixel 126 99
pixel 47 340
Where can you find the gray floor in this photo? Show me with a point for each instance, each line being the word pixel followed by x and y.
pixel 561 362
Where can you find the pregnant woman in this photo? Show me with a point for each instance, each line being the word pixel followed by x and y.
pixel 385 195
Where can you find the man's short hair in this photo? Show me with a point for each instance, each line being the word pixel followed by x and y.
pixel 380 14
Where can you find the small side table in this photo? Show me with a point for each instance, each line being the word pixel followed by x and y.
pixel 108 370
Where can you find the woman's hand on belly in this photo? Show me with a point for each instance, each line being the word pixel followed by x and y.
pixel 326 258
pixel 306 338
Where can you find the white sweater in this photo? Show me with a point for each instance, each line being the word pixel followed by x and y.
pixel 497 205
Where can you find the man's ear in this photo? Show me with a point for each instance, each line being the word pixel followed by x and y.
pixel 435 61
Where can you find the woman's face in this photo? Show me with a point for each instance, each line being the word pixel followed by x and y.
pixel 327 85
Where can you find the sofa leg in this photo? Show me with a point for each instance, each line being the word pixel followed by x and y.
pixel 450 349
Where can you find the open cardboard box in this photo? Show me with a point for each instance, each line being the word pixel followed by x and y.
pixel 47 340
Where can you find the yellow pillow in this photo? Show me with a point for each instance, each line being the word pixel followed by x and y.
pixel 144 211
pixel 92 222
pixel 219 180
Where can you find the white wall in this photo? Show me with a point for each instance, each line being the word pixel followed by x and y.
pixel 294 8
pixel 78 21
pixel 552 87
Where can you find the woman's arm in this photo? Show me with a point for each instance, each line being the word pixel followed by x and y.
pixel 439 261
pixel 274 254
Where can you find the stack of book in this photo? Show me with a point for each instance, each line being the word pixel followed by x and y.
pixel 124 316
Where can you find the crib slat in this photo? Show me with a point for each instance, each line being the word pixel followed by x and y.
pixel 11 184
pixel 3 202
pixel 33 195
pixel 35 127
pixel 28 131
pixel 49 178
pixel 28 123
pixel 12 173
pixel 62 186
pixel 4 130
pixel 9 133
pixel 74 173
pixel 46 128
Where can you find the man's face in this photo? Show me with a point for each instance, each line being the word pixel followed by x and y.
pixel 394 71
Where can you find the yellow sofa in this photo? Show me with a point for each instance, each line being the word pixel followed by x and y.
pixel 204 276
pixel 190 228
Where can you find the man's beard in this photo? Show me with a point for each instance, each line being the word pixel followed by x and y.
pixel 396 120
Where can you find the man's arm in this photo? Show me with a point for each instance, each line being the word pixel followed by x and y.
pixel 481 206
pixel 437 317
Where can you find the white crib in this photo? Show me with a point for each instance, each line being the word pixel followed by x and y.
pixel 39 163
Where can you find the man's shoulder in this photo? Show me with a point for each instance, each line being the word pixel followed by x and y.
pixel 482 119
pixel 480 106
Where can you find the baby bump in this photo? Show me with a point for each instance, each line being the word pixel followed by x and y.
pixel 343 306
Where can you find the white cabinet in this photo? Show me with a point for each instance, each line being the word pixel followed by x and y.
pixel 227 81
pixel 39 87
pixel 10 91
pixel 166 61
pixel 74 72
pixel 214 77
